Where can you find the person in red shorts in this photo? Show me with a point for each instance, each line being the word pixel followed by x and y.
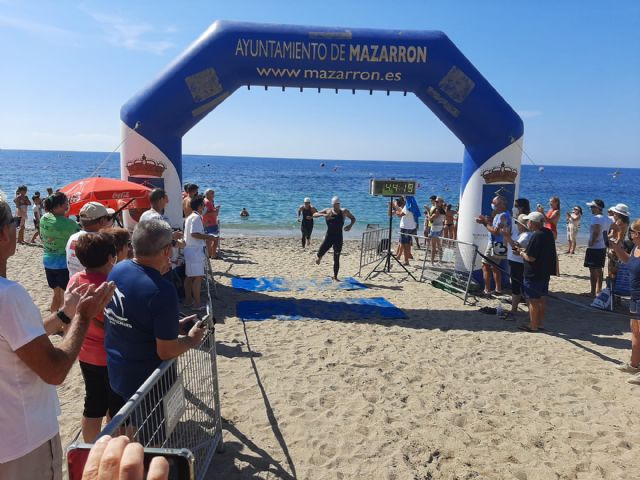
pixel 97 253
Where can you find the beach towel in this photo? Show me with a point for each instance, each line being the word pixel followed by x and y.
pixel 279 284
pixel 348 309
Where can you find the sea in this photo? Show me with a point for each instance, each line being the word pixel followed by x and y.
pixel 272 189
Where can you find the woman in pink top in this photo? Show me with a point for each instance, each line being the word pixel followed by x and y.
pixel 210 222
pixel 97 252
pixel 553 216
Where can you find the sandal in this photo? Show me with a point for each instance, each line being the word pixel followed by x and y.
pixel 527 328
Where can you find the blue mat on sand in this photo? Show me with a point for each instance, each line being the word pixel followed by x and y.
pixel 349 309
pixel 279 284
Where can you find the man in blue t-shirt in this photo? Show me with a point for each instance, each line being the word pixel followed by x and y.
pixel 142 320
pixel 496 250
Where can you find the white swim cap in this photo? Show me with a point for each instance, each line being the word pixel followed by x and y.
pixel 307 200
pixel 335 200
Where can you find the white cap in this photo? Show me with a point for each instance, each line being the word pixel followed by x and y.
pixel 94 210
pixel 535 217
pixel 307 200
pixel 335 200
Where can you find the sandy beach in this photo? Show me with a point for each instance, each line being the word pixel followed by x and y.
pixel 448 393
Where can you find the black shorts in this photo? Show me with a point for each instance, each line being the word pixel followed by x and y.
pixel 98 394
pixel 517 277
pixel 57 278
pixel 594 257
pixel 404 238
pixel 306 228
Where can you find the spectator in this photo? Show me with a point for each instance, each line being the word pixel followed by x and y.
pixel 540 262
pixel 22 203
pixel 573 226
pixel 159 201
pixel 122 242
pixel 142 318
pixel 37 214
pixel 93 217
pixel 210 221
pixel 633 264
pixel 97 254
pixel 496 250
pixel 436 218
pixel 516 264
pixel 428 210
pixel 49 191
pixel 448 222
pixel 55 230
pixel 192 191
pixel 30 366
pixel 617 234
pixel 194 256
pixel 407 227
pixel 596 250
pixel 553 216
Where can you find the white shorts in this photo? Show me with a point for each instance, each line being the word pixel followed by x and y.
pixel 194 261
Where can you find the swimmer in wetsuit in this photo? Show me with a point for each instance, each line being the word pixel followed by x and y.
pixel 334 217
pixel 306 225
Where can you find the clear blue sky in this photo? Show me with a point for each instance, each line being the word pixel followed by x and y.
pixel 570 68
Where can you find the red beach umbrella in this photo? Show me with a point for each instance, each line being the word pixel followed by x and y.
pixel 111 192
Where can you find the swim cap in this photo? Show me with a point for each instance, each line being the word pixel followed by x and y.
pixel 335 200
pixel 307 200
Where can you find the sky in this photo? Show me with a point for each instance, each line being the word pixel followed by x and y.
pixel 571 69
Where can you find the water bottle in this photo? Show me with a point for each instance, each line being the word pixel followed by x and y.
pixel 499 311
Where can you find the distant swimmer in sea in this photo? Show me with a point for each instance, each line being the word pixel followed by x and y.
pixel 244 212
pixel 322 165
pixel 306 210
pixel 334 217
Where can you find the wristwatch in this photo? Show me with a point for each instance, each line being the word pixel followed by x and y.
pixel 63 317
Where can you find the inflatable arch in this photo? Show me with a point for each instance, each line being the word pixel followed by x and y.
pixel 230 55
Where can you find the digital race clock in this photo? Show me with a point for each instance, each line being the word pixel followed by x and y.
pixel 392 188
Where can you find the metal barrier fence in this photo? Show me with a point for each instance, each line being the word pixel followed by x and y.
pixel 449 264
pixel 373 246
pixel 453 261
pixel 178 406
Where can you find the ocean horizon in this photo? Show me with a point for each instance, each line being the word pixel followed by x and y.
pixel 272 189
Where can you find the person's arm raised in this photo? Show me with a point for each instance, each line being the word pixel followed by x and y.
pixel 619 250
pixel 52 363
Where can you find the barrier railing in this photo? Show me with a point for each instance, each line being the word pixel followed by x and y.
pixel 453 261
pixel 178 406
pixel 373 246
pixel 449 264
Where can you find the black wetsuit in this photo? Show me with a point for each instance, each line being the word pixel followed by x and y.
pixel 306 226
pixel 333 238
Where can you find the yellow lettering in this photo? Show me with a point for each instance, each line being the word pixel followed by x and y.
pixel 354 52
pixel 393 52
pixel 411 54
pixel 402 51
pixel 374 53
pixel 422 54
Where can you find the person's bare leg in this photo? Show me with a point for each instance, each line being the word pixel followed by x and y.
pixel 635 342
pixel 216 247
pixel 599 275
pixel 497 278
pixel 543 306
pixel 534 313
pixel 188 298
pixel 57 300
pixel 486 276
pixel 21 230
pixel 593 279
pixel 515 301
pixel 91 428
pixel 195 290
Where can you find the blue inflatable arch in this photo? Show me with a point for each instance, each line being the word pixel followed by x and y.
pixel 230 55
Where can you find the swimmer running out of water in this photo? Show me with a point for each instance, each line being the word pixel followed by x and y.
pixel 334 217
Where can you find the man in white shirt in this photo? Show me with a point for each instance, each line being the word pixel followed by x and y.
pixel 194 256
pixel 596 249
pixel 30 366
pixel 93 217
pixel 159 200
